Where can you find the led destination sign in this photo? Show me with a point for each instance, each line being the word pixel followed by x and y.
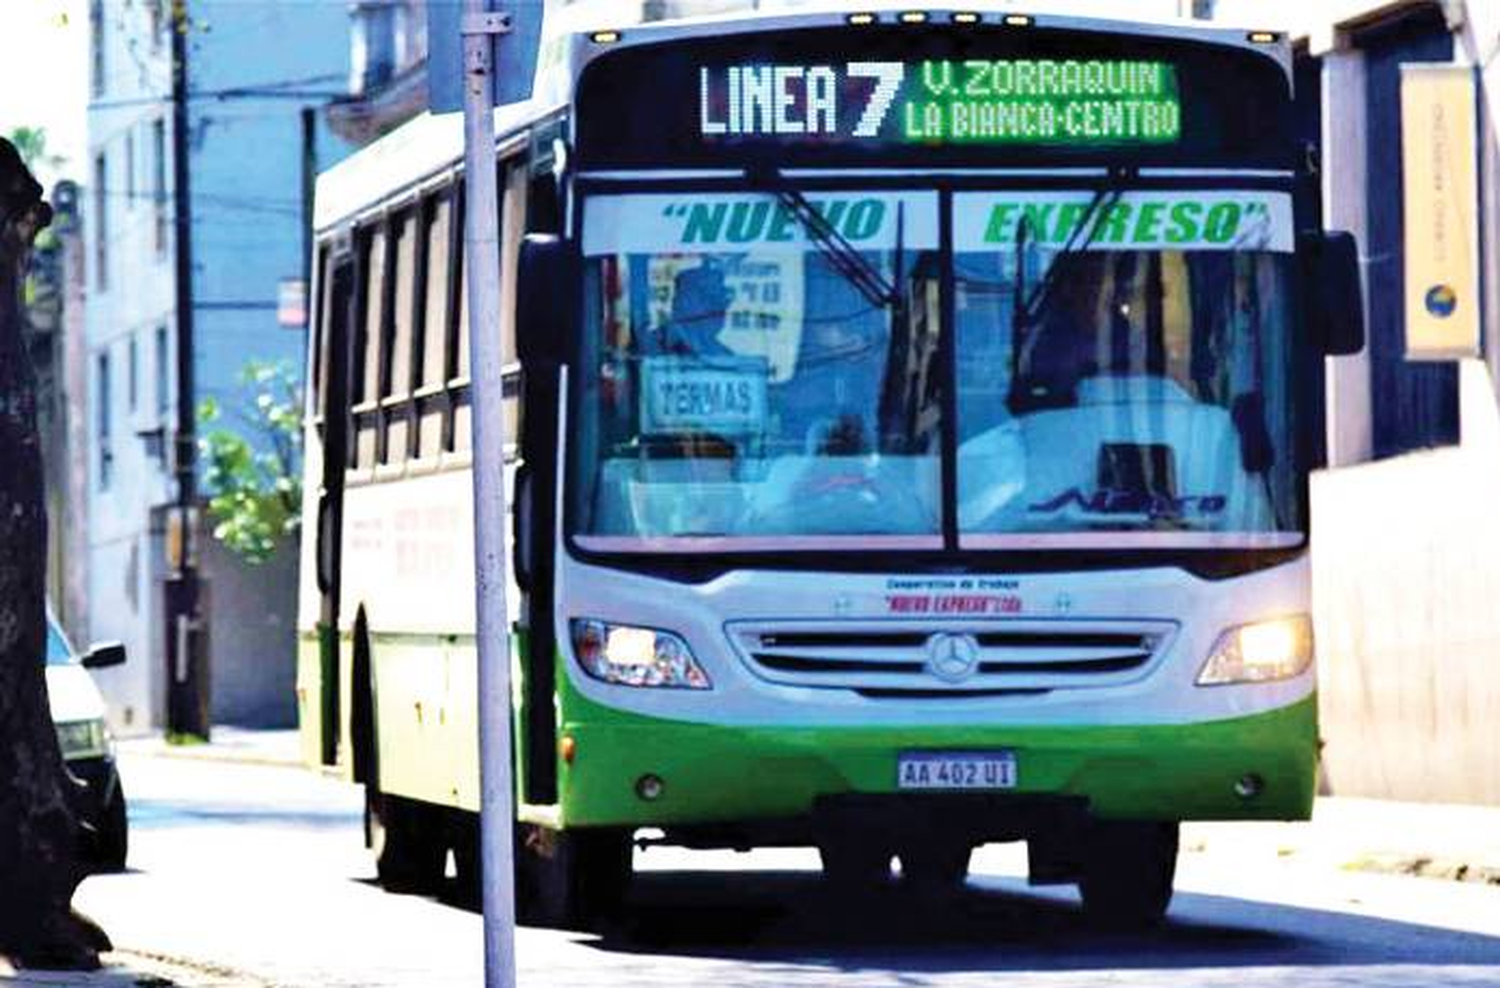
pixel 892 96
pixel 944 101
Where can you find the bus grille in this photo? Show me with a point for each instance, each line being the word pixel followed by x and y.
pixel 895 659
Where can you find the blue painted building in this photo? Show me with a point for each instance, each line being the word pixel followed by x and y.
pixel 252 67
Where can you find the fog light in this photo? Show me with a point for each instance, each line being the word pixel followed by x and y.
pixel 1249 786
pixel 650 788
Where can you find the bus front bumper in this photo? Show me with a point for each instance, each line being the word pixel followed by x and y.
pixel 712 774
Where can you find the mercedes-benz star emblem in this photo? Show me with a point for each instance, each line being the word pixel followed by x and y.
pixel 952 658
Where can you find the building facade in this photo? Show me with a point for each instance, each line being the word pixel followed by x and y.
pixel 250 69
pixel 1406 546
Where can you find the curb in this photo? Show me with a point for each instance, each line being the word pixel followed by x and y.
pixel 206 753
pixel 1420 866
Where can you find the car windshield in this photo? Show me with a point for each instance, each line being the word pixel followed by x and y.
pixel 58 651
pixel 1134 390
pixel 743 389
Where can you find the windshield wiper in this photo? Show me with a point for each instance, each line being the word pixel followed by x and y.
pixel 841 255
pixel 1027 389
pixel 1105 198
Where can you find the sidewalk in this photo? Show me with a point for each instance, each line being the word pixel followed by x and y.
pixel 227 744
pixel 1430 840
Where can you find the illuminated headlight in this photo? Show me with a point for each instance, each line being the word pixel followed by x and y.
pixel 630 656
pixel 81 738
pixel 1260 652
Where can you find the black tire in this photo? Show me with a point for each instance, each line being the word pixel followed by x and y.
pixel 468 861
pixel 406 838
pixel 1128 869
pixel 938 867
pixel 572 880
pixel 853 866
pixel 114 834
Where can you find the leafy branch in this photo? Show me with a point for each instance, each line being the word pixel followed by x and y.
pixel 253 474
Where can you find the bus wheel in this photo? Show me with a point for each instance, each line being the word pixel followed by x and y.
pixel 467 860
pixel 573 879
pixel 935 867
pixel 1127 873
pixel 405 838
pixel 854 865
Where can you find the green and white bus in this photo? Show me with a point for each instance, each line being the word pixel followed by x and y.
pixel 913 412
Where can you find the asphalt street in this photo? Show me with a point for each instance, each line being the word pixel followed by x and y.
pixel 256 875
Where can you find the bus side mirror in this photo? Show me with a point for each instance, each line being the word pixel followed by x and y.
pixel 547 298
pixel 1335 299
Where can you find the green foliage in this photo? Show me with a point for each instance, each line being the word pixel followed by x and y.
pixel 31 145
pixel 252 474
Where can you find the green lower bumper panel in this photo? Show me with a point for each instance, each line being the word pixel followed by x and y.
pixel 714 774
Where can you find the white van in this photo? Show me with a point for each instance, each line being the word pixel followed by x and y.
pixel 88 749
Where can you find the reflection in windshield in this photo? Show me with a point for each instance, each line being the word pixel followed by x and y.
pixel 747 390
pixel 1151 395
pixel 739 392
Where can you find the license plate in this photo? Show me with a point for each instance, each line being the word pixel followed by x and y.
pixel 956 770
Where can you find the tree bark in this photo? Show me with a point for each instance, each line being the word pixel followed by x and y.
pixel 39 860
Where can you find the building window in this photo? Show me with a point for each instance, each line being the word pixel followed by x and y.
pixel 103 421
pixel 101 223
pixel 155 9
pixel 372 53
pixel 130 188
pixel 96 47
pixel 163 380
pixel 159 182
pixel 133 371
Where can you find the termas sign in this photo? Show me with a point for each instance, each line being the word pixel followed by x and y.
pixel 945 101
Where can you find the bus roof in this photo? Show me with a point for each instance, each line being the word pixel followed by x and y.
pixel 428 146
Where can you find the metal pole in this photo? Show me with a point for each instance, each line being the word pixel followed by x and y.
pixel 482 241
pixel 186 707
pixel 309 184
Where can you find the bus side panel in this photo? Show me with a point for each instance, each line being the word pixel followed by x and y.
pixel 407 569
pixel 311 672
pixel 424 708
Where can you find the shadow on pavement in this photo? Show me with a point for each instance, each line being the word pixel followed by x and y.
pixel 999 925
pixel 154 814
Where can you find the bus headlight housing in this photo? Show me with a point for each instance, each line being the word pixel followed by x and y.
pixel 1263 652
pixel 629 656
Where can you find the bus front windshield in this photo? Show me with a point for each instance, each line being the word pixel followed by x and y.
pixel 1121 368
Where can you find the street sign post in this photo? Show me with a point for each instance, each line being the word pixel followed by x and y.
pixel 467 45
pixel 482 242
pixel 516 49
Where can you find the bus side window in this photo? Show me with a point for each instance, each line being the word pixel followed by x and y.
pixel 439 282
pixel 368 337
pixel 396 394
pixel 318 374
pixel 514 208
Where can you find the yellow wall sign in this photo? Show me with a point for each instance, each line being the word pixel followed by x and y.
pixel 1439 173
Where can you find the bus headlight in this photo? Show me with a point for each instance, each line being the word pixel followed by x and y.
pixel 1260 653
pixel 631 656
pixel 82 738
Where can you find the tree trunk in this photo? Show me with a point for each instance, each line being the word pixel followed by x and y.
pixel 39 862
